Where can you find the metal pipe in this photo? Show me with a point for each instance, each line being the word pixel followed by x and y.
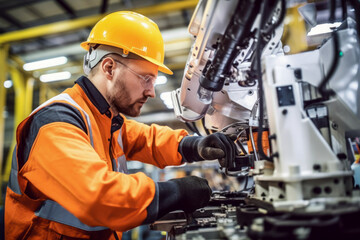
pixel 28 81
pixel 42 93
pixel 4 50
pixel 19 113
pixel 29 93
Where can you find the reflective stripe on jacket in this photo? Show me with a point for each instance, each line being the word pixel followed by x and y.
pixel 64 182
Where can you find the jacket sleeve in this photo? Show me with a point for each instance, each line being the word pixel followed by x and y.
pixel 63 166
pixel 156 145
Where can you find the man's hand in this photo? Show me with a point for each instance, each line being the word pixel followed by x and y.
pixel 194 193
pixel 187 194
pixel 214 146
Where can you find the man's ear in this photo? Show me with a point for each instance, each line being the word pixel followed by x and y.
pixel 108 67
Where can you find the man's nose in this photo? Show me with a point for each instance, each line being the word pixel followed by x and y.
pixel 150 92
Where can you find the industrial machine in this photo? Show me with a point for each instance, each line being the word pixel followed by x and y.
pixel 295 119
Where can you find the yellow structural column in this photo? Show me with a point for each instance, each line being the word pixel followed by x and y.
pixel 19 113
pixel 29 84
pixel 29 93
pixel 42 93
pixel 4 50
pixel 46 92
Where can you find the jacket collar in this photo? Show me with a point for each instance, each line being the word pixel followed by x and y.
pixel 98 100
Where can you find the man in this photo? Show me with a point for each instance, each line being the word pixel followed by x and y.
pixel 68 177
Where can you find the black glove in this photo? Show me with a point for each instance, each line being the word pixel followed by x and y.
pixel 214 146
pixel 187 194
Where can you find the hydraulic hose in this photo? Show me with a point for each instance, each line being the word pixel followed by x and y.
pixel 236 32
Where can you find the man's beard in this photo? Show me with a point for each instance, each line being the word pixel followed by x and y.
pixel 121 101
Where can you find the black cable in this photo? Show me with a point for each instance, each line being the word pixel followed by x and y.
pixel 196 130
pixel 344 9
pixel 192 127
pixel 258 68
pixel 332 7
pixel 203 124
pixel 279 21
pixel 246 183
pixel 260 83
pixel 322 87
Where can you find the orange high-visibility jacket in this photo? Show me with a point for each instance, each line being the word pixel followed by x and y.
pixel 68 176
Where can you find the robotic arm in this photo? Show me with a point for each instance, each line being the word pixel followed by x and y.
pixel 218 82
pixel 303 109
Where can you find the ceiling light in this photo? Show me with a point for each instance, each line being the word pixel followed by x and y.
pixel 166 98
pixel 51 77
pixel 8 84
pixel 161 80
pixel 51 62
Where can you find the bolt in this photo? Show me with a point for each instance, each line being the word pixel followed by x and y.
pixel 317 167
pixel 328 190
pixel 317 190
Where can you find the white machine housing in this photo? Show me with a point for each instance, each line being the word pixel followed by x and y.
pixel 311 166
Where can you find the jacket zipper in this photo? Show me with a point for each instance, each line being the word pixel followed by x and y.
pixel 113 161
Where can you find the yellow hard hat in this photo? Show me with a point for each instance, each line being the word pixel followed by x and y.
pixel 131 32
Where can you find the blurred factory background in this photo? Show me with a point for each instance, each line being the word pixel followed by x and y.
pixel 40 54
